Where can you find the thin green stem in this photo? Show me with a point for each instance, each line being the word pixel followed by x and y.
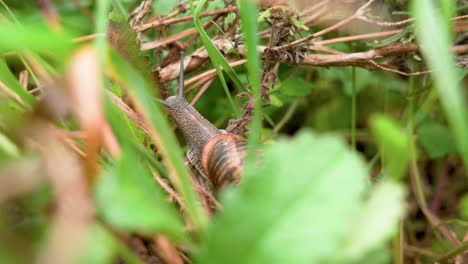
pixel 13 17
pixel 414 159
pixel 398 245
pixel 353 108
pixel 454 252
pixel 248 13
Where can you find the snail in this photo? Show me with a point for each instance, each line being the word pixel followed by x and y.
pixel 216 154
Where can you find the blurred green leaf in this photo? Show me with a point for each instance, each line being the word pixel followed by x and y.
pixel 37 37
pixel 128 198
pixel 289 210
pixel 142 93
pixel 449 9
pixel 295 87
pixel 103 248
pixel 377 221
pixel 8 147
pixel 8 79
pixel 100 247
pixel 436 139
pixel 248 12
pixel 437 52
pixel 463 207
pixel 394 145
pixel 387 41
pixel 381 255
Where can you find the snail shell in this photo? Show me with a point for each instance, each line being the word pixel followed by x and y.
pixel 214 153
pixel 223 157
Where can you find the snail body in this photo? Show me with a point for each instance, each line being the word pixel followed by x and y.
pixel 215 153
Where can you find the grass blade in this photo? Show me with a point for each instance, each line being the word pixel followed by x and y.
pixel 437 52
pixel 248 13
pixel 140 90
pixel 215 55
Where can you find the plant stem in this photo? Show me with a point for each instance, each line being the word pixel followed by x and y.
pixel 454 252
pixel 398 245
pixel 353 108
pixel 414 159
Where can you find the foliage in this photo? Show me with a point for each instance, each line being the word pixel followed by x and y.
pixel 350 161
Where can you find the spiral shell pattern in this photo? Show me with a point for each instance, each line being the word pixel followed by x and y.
pixel 223 158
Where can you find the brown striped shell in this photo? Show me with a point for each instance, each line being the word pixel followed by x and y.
pixel 215 154
pixel 223 157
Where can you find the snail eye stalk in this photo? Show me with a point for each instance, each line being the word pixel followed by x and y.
pixel 181 76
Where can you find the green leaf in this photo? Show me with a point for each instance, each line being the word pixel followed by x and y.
pixel 463 207
pixel 295 87
pixel 215 55
pixel 36 37
pixel 294 208
pixel 429 22
pixel 102 247
pixel 394 145
pixel 436 139
pixel 264 15
pixel 128 198
pixel 142 93
pixel 377 221
pixel 394 38
pixel 8 79
pixel 8 147
pixel 248 13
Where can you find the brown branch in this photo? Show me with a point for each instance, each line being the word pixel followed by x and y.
pixel 158 43
pixel 358 37
pixel 212 72
pixel 140 12
pixel 397 23
pixel 385 23
pixel 359 59
pixel 360 12
pixel 362 59
pixel 167 22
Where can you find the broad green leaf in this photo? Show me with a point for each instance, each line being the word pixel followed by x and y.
pixel 295 87
pixel 394 145
pixel 377 221
pixel 437 51
pixel 436 139
pixel 296 207
pixel 36 37
pixel 102 248
pixel 127 197
pixel 381 255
